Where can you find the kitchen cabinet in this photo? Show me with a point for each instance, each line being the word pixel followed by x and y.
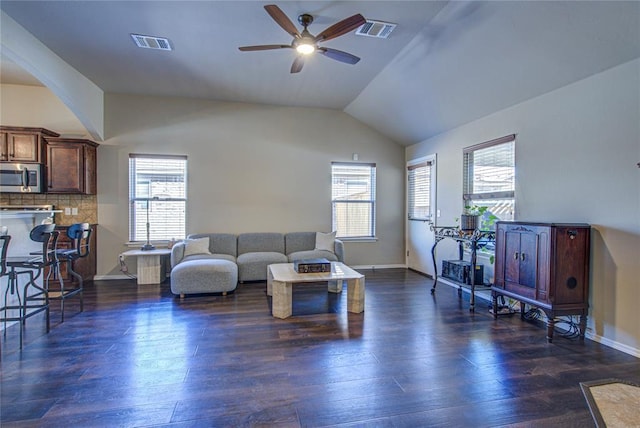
pixel 544 265
pixel 19 144
pixel 71 165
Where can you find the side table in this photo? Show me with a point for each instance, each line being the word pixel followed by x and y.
pixel 476 239
pixel 150 264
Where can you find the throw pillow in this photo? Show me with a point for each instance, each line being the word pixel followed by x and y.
pixel 325 241
pixel 196 246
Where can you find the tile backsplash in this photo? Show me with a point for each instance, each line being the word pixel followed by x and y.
pixel 86 205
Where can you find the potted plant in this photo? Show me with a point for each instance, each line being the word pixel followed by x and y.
pixel 470 218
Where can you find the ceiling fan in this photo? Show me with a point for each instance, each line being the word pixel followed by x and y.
pixel 305 43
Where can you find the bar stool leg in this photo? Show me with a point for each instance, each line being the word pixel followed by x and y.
pixel 48 318
pixel 25 302
pixel 61 292
pixel 4 308
pixel 23 312
pixel 56 275
pixel 77 276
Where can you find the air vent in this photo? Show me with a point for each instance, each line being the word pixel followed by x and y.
pixel 151 42
pixel 377 29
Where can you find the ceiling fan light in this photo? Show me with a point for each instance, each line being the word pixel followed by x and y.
pixel 305 48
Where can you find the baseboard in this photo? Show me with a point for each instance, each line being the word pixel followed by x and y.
pixel 635 352
pixel 374 267
pixel 110 277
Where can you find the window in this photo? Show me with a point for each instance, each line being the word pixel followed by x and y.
pixel 419 190
pixel 157 196
pixel 353 199
pixel 489 179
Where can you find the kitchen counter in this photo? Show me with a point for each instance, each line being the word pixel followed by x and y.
pixel 19 225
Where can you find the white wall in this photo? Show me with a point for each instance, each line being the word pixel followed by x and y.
pixel 35 106
pixel 250 168
pixel 576 155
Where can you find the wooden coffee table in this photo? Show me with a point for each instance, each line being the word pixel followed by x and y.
pixel 282 276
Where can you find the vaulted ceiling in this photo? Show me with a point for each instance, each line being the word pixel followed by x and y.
pixel 445 64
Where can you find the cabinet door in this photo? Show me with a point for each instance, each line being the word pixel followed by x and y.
pixel 23 147
pixel 520 258
pixel 511 255
pixel 527 263
pixel 90 173
pixel 65 170
pixel 4 153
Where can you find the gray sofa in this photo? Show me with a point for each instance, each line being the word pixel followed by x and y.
pixel 246 254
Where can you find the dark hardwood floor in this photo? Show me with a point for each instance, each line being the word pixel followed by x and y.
pixel 138 356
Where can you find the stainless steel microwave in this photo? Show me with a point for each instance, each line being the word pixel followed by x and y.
pixel 18 177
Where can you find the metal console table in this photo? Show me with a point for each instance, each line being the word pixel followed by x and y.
pixel 475 239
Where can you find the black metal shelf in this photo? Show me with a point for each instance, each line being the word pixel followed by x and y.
pixel 475 239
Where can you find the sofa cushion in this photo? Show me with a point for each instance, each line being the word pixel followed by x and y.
pixel 325 241
pixel 209 257
pixel 196 246
pixel 177 253
pixel 253 266
pixel 258 242
pixel 220 243
pixel 312 254
pixel 299 241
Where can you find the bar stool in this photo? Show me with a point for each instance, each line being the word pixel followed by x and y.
pixel 34 303
pixel 4 246
pixel 80 235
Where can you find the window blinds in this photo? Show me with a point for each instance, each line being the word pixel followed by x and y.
pixel 157 195
pixel 353 195
pixel 419 189
pixel 489 169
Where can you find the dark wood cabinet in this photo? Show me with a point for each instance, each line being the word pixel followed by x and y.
pixel 19 144
pixel 71 165
pixel 544 265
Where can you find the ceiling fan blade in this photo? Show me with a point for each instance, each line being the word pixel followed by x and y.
pixel 262 47
pixel 282 20
pixel 298 63
pixel 339 55
pixel 341 28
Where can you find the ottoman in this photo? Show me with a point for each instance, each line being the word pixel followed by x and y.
pixel 204 276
